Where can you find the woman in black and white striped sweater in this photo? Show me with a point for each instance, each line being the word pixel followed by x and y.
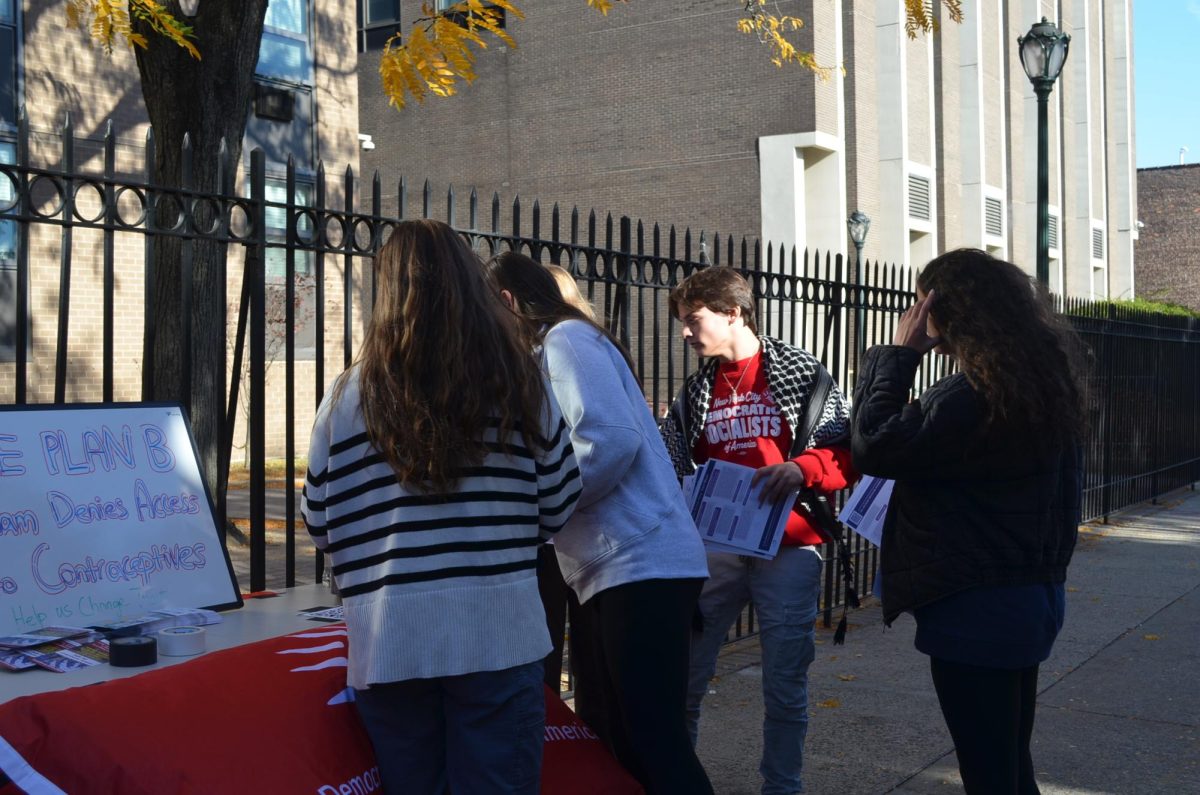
pixel 436 466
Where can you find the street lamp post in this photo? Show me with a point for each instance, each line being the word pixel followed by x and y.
pixel 1043 51
pixel 858 223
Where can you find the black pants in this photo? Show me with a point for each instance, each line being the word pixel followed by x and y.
pixel 555 596
pixel 629 654
pixel 989 712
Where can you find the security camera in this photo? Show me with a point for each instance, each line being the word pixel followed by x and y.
pixel 365 142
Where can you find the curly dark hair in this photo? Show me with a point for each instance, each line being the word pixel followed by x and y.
pixel 1022 357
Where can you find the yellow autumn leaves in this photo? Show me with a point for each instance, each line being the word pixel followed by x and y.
pixel 108 20
pixel 919 15
pixel 770 29
pixel 438 51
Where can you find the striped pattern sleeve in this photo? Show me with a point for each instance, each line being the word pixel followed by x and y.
pixel 558 480
pixel 312 498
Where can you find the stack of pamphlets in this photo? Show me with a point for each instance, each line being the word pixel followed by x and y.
pixel 57 649
pixel 729 512
pixel 150 623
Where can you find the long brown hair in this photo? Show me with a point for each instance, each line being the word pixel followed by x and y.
pixel 539 302
pixel 441 360
pixel 1023 359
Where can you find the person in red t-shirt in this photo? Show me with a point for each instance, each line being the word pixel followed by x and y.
pixel 747 403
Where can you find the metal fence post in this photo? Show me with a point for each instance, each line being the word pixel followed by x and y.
pixel 256 271
pixel 24 203
pixel 621 303
pixel 64 272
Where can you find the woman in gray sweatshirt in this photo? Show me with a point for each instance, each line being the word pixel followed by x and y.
pixel 630 552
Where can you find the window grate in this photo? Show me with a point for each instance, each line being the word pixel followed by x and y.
pixel 1052 230
pixel 1097 243
pixel 993 214
pixel 918 198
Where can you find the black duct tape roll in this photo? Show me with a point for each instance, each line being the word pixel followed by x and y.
pixel 132 652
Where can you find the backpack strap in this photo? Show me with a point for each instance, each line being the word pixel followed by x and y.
pixel 818 506
pixel 812 414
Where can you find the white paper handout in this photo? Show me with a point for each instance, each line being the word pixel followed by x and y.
pixel 867 507
pixel 727 512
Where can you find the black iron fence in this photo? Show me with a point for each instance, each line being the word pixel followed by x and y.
pixel 1144 392
pixel 299 283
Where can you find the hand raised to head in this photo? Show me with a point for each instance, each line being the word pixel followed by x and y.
pixel 911 333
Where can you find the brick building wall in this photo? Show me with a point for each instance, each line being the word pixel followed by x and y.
pixel 664 112
pixel 615 113
pixel 1168 244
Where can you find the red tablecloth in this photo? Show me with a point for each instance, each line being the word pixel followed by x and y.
pixel 269 717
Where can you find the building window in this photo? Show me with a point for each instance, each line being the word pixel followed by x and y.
pixel 378 21
pixel 8 63
pixel 1052 230
pixel 304 305
pixel 276 192
pixel 444 6
pixel 285 52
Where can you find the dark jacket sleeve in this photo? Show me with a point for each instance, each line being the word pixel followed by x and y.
pixel 892 437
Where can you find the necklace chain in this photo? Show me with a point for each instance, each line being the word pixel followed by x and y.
pixel 732 386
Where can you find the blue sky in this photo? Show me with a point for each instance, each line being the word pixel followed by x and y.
pixel 1166 62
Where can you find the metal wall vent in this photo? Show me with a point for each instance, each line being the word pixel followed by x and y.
pixel 918 198
pixel 993 216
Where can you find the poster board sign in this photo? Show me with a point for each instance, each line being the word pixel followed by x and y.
pixel 104 516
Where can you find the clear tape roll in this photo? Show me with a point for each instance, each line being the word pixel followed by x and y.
pixel 181 641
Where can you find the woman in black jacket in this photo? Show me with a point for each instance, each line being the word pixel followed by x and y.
pixel 983 516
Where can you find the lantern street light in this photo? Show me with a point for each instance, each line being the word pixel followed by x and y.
pixel 859 224
pixel 1043 51
pixel 189 7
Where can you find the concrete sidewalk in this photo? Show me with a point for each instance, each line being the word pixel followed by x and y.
pixel 1118 702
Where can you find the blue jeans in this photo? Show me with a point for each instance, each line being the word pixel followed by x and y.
pixel 480 733
pixel 785 592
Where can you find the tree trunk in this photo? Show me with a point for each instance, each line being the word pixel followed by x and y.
pixel 210 100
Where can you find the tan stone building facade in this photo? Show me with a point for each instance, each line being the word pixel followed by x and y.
pixel 52 70
pixel 663 111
